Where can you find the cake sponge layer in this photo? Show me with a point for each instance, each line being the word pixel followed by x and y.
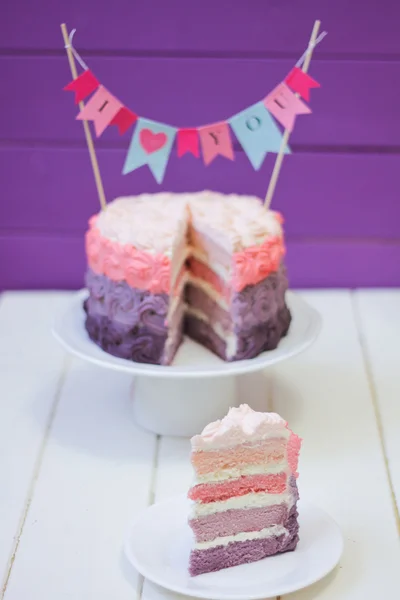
pixel 268 452
pixel 214 492
pixel 232 522
pixel 237 553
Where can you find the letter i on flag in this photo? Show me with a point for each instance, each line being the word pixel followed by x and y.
pixel 151 144
pixel 257 133
pixel 284 105
pixel 101 109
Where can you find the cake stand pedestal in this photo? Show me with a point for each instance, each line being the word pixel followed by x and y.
pixel 198 387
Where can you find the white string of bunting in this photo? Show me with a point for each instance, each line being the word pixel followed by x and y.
pixel 255 127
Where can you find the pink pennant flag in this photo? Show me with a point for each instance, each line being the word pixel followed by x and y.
pixel 301 82
pixel 101 109
pixel 188 141
pixel 124 119
pixel 83 85
pixel 216 139
pixel 284 105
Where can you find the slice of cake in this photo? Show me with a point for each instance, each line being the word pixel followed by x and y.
pixel 208 264
pixel 245 492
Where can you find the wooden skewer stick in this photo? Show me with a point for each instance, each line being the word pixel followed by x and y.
pixel 86 128
pixel 285 138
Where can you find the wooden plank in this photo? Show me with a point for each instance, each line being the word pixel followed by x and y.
pixel 325 202
pixel 379 328
pixel 325 396
pixel 32 366
pixel 207 26
pixel 95 476
pixel 311 263
pixel 343 113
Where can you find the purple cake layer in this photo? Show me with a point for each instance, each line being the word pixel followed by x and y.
pixel 197 298
pixel 131 323
pixel 260 304
pixel 235 521
pixel 237 553
pixel 127 322
pixel 250 342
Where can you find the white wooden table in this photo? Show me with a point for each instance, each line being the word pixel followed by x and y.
pixel 74 468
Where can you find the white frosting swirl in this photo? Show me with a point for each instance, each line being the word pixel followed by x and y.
pixel 153 222
pixel 239 426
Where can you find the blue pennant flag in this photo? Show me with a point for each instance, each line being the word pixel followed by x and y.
pixel 257 132
pixel 151 144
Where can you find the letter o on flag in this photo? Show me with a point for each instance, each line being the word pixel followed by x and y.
pixel 253 123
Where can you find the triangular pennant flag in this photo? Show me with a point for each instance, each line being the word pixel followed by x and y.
pixel 257 133
pixel 151 144
pixel 301 82
pixel 216 140
pixel 101 109
pixel 188 141
pixel 83 85
pixel 284 105
pixel 124 119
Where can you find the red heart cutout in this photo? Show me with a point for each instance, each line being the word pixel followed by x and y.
pixel 152 141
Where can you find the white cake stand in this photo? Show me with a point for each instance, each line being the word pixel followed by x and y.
pixel 198 387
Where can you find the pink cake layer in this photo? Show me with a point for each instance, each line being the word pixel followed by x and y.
pixel 268 452
pixel 233 521
pixel 272 483
pixel 203 271
pixel 149 272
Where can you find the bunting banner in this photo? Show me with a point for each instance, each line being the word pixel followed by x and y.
pixel 285 105
pixel 188 141
pixel 215 139
pixel 257 133
pixel 257 128
pixel 102 108
pixel 83 86
pixel 301 82
pixel 150 145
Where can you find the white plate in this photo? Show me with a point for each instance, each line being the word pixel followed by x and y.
pixel 159 542
pixel 192 360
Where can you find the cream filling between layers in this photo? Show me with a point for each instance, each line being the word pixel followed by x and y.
pixel 242 471
pixel 252 500
pixel 273 531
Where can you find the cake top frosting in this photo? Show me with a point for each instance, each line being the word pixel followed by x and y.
pixel 240 425
pixel 152 222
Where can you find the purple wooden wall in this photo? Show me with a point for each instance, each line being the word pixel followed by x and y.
pixel 193 62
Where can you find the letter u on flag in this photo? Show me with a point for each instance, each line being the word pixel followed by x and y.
pixel 216 139
pixel 257 133
pixel 151 144
pixel 101 109
pixel 284 105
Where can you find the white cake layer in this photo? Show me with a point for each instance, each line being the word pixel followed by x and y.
pixel 236 472
pixel 252 500
pixel 273 531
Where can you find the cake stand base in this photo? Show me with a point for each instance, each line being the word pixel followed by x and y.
pixel 182 407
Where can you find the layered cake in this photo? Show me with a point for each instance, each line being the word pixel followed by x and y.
pixel 245 492
pixel 205 264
